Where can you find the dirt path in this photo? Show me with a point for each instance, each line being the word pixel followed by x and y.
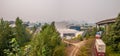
pixel 76 47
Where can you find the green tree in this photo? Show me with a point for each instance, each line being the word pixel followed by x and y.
pixel 46 42
pixel 94 30
pixel 112 39
pixel 20 32
pixel 5 35
pixel 116 35
pixel 15 50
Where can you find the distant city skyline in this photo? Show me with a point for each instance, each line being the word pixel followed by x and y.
pixel 90 11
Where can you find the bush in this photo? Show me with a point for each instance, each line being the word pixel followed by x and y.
pixel 110 51
pixel 59 51
pixel 80 37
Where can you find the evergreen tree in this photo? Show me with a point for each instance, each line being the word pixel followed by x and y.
pixel 20 32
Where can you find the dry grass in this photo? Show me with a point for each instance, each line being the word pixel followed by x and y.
pixel 87 49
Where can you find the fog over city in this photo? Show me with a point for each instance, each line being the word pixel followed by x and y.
pixel 59 10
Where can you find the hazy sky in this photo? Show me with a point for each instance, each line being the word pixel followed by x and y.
pixel 59 10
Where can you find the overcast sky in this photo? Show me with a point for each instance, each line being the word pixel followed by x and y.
pixel 59 10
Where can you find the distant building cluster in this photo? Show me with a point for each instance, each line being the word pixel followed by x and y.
pixel 26 24
pixel 69 31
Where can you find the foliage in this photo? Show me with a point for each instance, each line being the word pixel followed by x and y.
pixel 10 38
pixel 87 35
pixel 80 37
pixel 110 52
pixel 5 36
pixel 21 34
pixel 112 38
pixel 116 35
pixel 59 51
pixel 47 42
pixel 107 36
pixel 15 48
pixel 86 50
pixel 92 31
pixel 83 52
pixel 101 29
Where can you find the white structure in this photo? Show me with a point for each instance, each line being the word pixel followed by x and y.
pixel 65 32
pixel 69 33
pixel 12 25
